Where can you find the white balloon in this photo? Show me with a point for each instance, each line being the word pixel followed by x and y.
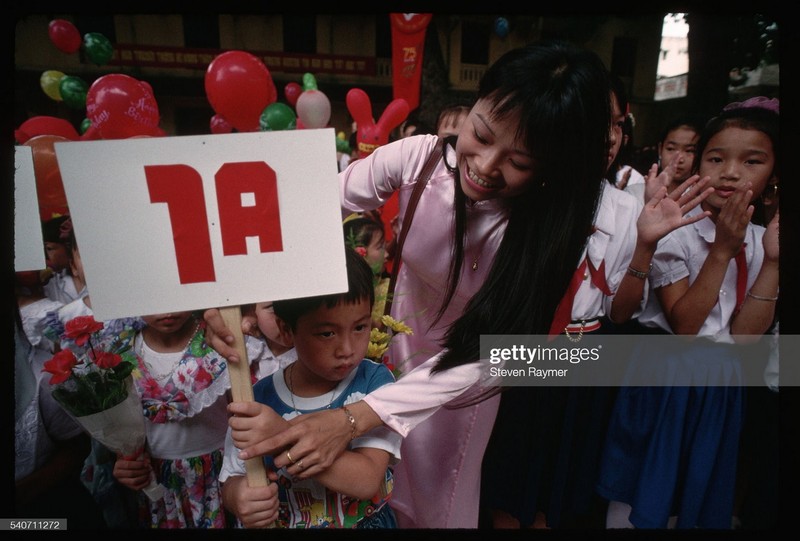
pixel 313 109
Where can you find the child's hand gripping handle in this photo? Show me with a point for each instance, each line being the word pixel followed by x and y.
pixel 241 388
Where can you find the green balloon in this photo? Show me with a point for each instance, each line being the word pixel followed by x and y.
pixel 85 125
pixel 277 116
pixel 73 91
pixel 342 145
pixel 98 48
pixel 309 82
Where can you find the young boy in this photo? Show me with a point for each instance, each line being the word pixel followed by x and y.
pixel 331 335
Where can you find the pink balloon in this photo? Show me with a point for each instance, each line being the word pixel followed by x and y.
pixel 120 106
pixel 314 109
pixel 64 35
pixel 239 87
pixel 292 91
pixel 220 125
pixel 45 125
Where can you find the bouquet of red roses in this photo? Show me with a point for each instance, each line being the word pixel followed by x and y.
pixel 92 380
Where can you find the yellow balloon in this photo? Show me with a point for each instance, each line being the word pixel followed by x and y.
pixel 49 81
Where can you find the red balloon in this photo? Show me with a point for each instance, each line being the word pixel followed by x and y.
pixel 292 91
pixel 220 125
pixel 64 36
pixel 49 188
pixel 120 106
pixel 45 125
pixel 239 87
pixel 371 135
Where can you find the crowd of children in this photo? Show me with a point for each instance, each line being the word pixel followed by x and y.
pixel 685 247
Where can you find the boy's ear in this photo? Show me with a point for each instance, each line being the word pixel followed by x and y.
pixel 286 334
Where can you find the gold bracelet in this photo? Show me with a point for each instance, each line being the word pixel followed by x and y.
pixel 351 420
pixel 639 274
pixel 760 298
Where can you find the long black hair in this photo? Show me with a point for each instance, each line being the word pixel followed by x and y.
pixel 560 94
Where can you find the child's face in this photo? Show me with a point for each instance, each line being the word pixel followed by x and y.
pixel 168 323
pixel 57 255
pixel 733 157
pixel 376 252
pixel 492 162
pixel 680 142
pixel 615 132
pixel 331 342
pixel 268 325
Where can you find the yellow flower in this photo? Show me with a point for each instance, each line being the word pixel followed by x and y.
pixel 375 351
pixel 378 337
pixel 396 326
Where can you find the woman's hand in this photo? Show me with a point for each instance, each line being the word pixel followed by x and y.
pixel 220 337
pixel 309 446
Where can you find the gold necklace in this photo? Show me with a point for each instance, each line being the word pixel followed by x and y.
pixel 475 262
pixel 290 369
pixel 163 375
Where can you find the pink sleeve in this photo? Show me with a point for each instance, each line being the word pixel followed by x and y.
pixel 368 183
pixel 419 394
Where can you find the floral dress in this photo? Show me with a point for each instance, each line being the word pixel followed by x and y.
pixel 194 395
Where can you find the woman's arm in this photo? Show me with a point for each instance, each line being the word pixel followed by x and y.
pixel 319 438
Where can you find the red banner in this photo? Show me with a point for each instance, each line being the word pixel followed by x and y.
pixel 408 43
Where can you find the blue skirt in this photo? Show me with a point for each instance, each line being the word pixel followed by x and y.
pixel 672 449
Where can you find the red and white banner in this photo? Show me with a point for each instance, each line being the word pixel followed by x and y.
pixel 408 43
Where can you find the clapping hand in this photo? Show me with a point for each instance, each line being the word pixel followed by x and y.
pixel 664 212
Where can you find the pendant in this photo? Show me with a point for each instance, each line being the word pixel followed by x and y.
pixel 475 265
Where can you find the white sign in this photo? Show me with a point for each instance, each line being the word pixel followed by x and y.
pixel 28 238
pixel 186 223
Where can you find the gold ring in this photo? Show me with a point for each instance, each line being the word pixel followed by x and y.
pixel 289 456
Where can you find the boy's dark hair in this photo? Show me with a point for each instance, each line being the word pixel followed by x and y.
pixel 359 286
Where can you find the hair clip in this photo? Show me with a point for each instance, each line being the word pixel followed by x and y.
pixel 757 102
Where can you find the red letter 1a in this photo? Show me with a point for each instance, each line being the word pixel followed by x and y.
pixel 181 188
pixel 262 220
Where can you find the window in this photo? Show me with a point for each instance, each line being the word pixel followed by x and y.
pixel 673 60
pixel 300 34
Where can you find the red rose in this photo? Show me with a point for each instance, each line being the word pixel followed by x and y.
pixel 104 359
pixel 81 328
pixel 360 250
pixel 60 366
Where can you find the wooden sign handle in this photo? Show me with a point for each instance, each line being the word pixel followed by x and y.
pixel 241 388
